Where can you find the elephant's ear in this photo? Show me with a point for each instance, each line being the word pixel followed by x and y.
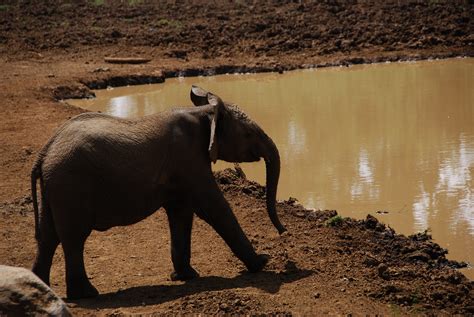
pixel 218 107
pixel 198 96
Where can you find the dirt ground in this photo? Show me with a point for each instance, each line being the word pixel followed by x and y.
pixel 325 264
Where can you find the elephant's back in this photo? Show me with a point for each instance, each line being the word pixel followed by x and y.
pixel 94 144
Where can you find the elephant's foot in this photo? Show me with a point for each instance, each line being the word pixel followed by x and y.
pixel 258 264
pixel 81 289
pixel 184 275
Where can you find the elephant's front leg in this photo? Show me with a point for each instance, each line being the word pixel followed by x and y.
pixel 181 221
pixel 215 210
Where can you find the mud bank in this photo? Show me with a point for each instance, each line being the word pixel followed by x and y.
pixel 103 80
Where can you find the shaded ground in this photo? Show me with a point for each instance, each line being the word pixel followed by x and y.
pixel 51 51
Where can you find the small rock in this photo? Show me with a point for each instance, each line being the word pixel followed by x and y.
pixel 371 222
pixel 317 295
pixel 300 214
pixel 116 34
pixel 313 216
pixel 418 256
pixel 292 201
pixel 247 190
pixel 455 278
pixel 438 295
pixel 224 306
pixel 101 69
pixel 382 270
pixel 27 150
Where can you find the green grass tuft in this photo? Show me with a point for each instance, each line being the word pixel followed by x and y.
pixel 98 2
pixel 335 221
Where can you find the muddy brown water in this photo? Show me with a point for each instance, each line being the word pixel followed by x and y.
pixel 394 140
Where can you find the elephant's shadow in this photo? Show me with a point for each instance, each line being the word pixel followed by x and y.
pixel 267 281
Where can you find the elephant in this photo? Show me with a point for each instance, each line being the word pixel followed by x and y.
pixel 99 171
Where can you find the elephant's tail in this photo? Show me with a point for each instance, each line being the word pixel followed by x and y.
pixel 35 174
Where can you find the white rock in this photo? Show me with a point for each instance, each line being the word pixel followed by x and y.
pixel 22 293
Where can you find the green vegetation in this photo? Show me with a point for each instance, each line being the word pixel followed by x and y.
pixel 129 2
pixel 134 2
pixel 4 7
pixel 173 23
pixel 64 24
pixel 97 30
pixel 395 310
pixel 415 298
pixel 335 221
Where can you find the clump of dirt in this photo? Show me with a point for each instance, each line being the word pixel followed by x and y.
pixel 72 91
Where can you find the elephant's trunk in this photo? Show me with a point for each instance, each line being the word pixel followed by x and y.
pixel 272 163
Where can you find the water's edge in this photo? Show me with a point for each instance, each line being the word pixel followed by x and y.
pixel 83 89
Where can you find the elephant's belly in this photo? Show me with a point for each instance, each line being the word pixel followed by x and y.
pixel 103 222
pixel 124 211
pixel 102 200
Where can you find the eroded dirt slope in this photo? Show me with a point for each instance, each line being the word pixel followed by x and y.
pixel 229 28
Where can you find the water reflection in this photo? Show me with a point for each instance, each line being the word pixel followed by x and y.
pixel 123 106
pixel 455 182
pixel 397 137
pixel 363 186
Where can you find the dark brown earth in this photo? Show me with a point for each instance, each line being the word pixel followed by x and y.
pixel 326 264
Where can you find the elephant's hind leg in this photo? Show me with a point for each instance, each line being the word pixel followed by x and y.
pixel 73 232
pixel 78 285
pixel 47 242
pixel 181 221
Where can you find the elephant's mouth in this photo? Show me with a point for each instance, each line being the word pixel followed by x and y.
pixel 255 157
pixel 251 156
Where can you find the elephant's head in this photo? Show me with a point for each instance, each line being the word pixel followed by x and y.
pixel 235 137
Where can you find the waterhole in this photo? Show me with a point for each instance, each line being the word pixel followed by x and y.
pixel 394 140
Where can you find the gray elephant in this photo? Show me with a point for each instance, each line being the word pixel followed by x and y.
pixel 99 171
